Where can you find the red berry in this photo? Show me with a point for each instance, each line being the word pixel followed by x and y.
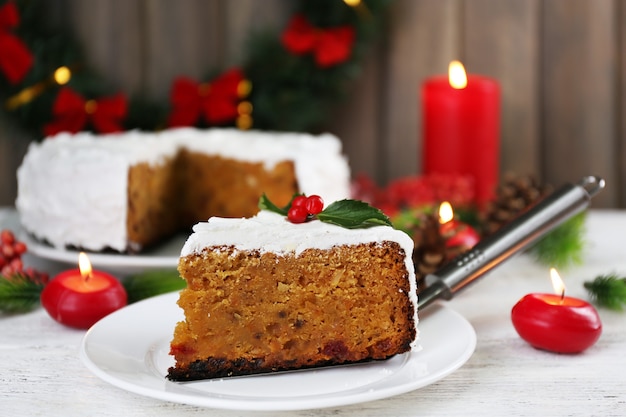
pixel 36 276
pixel 3 260
pixel 7 237
pixel 299 201
pixel 17 264
pixel 297 214
pixel 8 251
pixel 31 273
pixel 314 204
pixel 43 278
pixel 19 247
pixel 6 271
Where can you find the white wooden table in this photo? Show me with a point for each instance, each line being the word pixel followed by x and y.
pixel 41 374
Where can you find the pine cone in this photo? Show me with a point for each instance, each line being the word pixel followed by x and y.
pixel 514 196
pixel 430 249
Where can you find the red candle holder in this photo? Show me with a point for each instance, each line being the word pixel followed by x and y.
pixel 456 234
pixel 80 297
pixel 555 322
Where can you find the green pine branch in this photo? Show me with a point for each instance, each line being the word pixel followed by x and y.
pixel 151 283
pixel 563 246
pixel 19 294
pixel 608 291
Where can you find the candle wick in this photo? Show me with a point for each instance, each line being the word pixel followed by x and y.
pixel 562 295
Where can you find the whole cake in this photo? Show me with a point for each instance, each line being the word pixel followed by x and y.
pixel 265 295
pixel 124 192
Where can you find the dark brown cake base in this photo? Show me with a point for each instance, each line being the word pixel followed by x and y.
pixel 221 369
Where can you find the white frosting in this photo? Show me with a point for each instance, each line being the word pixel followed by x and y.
pixel 271 232
pixel 72 189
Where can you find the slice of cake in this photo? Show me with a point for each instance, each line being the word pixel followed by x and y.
pixel 124 192
pixel 264 295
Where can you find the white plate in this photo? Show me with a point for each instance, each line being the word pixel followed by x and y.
pixel 129 349
pixel 161 257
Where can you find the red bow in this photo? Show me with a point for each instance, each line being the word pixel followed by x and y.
pixel 15 58
pixel 329 46
pixel 73 113
pixel 217 101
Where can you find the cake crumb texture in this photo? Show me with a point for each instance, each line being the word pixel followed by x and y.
pixel 212 185
pixel 191 187
pixel 249 312
pixel 152 202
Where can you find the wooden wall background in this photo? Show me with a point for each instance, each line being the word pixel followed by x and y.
pixel 561 65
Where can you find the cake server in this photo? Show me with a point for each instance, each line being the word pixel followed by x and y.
pixel 509 240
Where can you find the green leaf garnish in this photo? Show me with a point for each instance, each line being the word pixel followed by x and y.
pixel 353 214
pixel 349 214
pixel 266 204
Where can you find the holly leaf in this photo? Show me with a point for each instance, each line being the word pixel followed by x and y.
pixel 350 214
pixel 266 204
pixel 353 214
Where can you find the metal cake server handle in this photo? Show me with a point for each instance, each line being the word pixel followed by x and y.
pixel 509 240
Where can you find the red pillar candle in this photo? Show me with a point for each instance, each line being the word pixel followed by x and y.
pixel 461 124
pixel 555 322
pixel 80 297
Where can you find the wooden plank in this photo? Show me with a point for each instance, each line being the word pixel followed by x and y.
pixel 356 121
pixel 501 40
pixel 181 38
pixel 423 38
pixel 243 18
pixel 13 145
pixel 579 70
pixel 110 35
pixel 621 103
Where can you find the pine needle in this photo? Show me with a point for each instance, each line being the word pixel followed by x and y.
pixel 564 245
pixel 149 284
pixel 18 294
pixel 608 291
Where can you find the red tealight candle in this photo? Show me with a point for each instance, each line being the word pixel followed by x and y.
pixel 461 124
pixel 456 234
pixel 555 322
pixel 80 297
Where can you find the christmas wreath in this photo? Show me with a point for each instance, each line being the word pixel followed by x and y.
pixel 287 80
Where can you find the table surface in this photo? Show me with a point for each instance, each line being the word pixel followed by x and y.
pixel 41 373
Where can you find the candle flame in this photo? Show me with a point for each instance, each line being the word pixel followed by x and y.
pixel 557 282
pixel 84 265
pixel 456 75
pixel 445 212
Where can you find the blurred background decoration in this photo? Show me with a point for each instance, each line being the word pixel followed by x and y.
pixel 560 65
